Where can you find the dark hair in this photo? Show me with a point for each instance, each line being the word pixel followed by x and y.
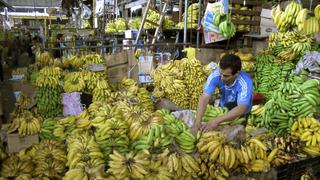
pixel 231 61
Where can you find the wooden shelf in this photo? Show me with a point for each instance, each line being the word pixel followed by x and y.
pixel 248 2
pixel 245 12
pixel 246 22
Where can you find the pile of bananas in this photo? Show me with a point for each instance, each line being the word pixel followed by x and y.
pixel 64 127
pixel 156 140
pixel 83 151
pixel 47 128
pixel 140 122
pixel 226 27
pixel 181 134
pixel 269 75
pixel 21 104
pixel 26 124
pixel 192 19
pixel 308 24
pixel 317 12
pixel 50 159
pixel 14 166
pixel 130 165
pixel 88 173
pixel 48 92
pixel 111 128
pixel 73 61
pixel 240 27
pixel 44 59
pixel 285 20
pixel 102 91
pixel 74 81
pixel 247 61
pixel 221 157
pixel 168 23
pixel 128 94
pixel 135 23
pixel 307 129
pixel 290 101
pixel 119 25
pixel 293 41
pixel 180 81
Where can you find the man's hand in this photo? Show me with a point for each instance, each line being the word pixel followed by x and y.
pixel 196 127
pixel 211 125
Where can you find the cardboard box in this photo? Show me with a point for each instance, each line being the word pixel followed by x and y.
pixel 117 73
pixel 16 142
pixel 266 30
pixel 26 88
pixel 116 59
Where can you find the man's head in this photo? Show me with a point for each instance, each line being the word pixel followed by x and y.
pixel 230 66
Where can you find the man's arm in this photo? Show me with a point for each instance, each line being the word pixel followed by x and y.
pixel 202 105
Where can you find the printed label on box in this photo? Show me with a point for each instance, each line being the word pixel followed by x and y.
pixel 96 67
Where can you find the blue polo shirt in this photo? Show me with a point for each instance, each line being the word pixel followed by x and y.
pixel 241 91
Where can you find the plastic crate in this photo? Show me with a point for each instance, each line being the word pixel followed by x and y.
pixel 295 170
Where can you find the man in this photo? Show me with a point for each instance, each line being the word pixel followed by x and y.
pixel 236 92
pixel 58 53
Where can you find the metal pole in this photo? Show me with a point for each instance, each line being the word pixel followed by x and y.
pixel 199 23
pixel 180 10
pixel 185 22
pixel 115 8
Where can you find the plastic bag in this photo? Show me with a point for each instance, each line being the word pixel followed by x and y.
pixel 310 61
pixel 186 116
pixel 85 12
pixel 72 103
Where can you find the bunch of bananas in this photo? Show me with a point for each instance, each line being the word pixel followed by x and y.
pixel 44 59
pixel 130 94
pixel 296 41
pixel 3 154
pixel 268 75
pixel 110 27
pixel 157 170
pixel 156 140
pixel 168 23
pixel 306 24
pixel 64 127
pixel 92 78
pixel 83 151
pixel 192 19
pixel 213 112
pixel 50 159
pixel 131 165
pixel 88 173
pixel 317 12
pixel 73 60
pixel 48 92
pixel 13 166
pixel 307 129
pixel 92 59
pixel 288 102
pixel 102 92
pixel 140 122
pixel 111 128
pixel 26 124
pixel 213 144
pixel 285 20
pixel 119 25
pixel 47 128
pixel 180 164
pixel 226 27
pixel 288 55
pixel 22 103
pixel 135 23
pixel 74 81
pixel 180 81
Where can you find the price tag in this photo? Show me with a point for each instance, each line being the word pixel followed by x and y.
pixel 145 78
pixel 96 67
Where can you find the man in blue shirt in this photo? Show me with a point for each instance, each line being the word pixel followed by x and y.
pixel 236 92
